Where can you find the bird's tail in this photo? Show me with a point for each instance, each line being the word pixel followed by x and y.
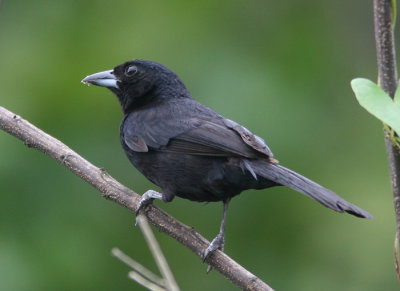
pixel 287 177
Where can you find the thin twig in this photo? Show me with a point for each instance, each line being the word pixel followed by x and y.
pixel 113 190
pixel 144 281
pixel 388 80
pixel 155 249
pixel 396 257
pixel 137 267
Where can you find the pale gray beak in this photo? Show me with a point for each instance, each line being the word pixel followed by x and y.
pixel 104 79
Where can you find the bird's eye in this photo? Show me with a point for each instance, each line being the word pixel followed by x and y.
pixel 130 71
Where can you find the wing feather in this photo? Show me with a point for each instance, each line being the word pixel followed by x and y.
pixel 199 131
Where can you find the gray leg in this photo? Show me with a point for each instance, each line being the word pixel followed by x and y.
pixel 219 241
pixel 148 198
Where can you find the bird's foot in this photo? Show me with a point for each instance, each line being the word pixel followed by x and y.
pixel 217 243
pixel 147 198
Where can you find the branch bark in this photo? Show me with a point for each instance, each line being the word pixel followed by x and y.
pixel 112 190
pixel 388 81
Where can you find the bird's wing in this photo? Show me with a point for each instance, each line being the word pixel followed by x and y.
pixel 219 137
pixel 153 129
pixel 200 135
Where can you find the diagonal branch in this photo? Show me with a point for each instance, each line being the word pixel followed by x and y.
pixel 388 80
pixel 112 190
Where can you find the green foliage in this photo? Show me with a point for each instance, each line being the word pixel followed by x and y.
pixel 378 103
pixel 394 9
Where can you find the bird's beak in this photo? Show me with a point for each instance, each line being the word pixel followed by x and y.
pixel 104 79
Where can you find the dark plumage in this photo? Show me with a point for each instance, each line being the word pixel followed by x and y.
pixel 191 151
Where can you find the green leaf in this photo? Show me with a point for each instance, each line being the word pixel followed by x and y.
pixel 394 13
pixel 377 102
pixel 397 94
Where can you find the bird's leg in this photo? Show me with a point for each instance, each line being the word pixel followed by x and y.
pixel 148 198
pixel 219 241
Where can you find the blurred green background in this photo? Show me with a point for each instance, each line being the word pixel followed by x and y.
pixel 281 68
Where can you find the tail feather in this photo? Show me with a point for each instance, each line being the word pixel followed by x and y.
pixel 287 177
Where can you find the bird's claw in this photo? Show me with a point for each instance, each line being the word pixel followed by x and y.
pixel 217 243
pixel 147 198
pixel 143 203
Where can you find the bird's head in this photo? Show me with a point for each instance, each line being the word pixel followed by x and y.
pixel 139 82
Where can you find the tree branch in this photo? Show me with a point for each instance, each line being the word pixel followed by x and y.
pixel 112 190
pixel 388 80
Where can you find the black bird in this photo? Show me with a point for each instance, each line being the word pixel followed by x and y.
pixel 191 151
